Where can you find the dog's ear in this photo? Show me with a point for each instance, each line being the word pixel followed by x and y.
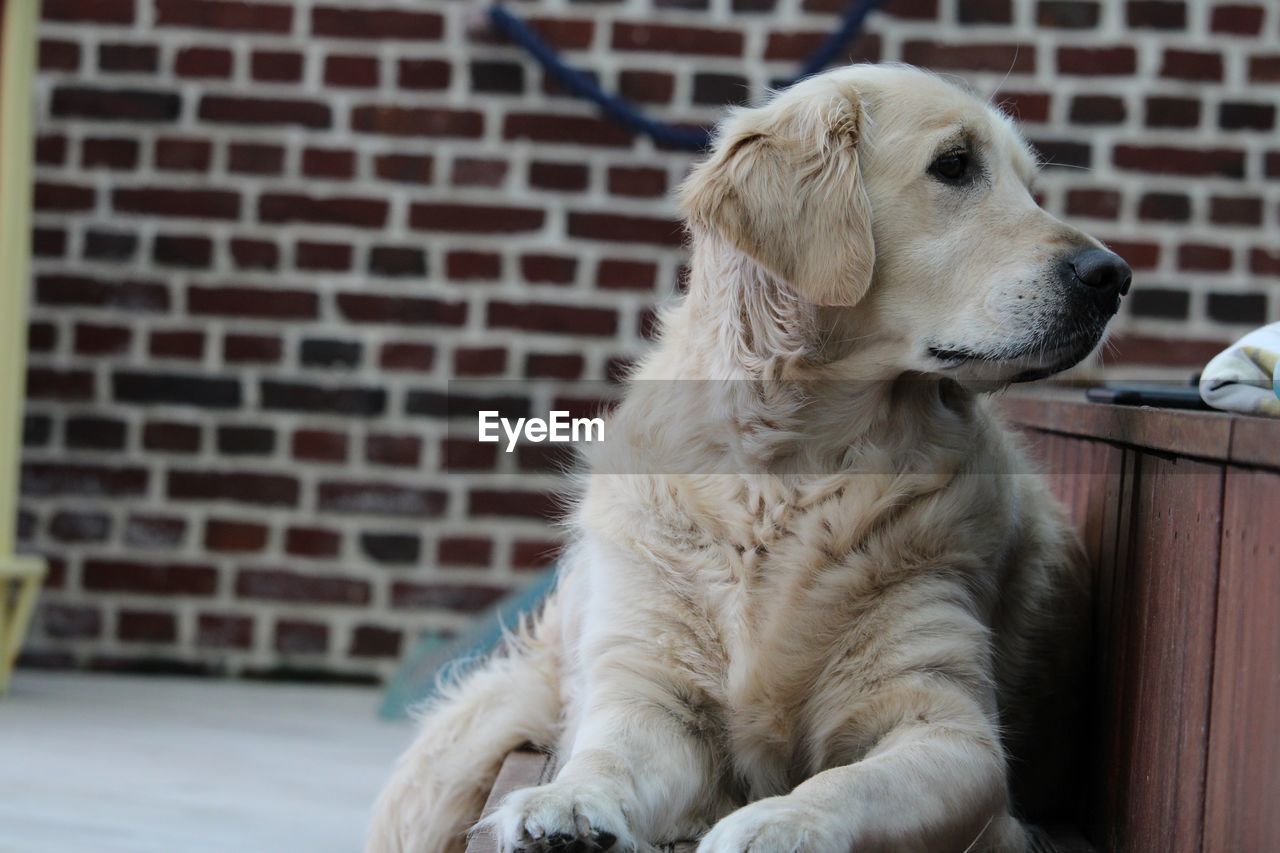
pixel 783 185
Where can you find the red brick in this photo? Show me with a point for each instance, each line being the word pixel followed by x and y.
pixel 637 181
pixel 276 66
pixel 1237 19
pixel 464 551
pixel 95 339
pixel 1197 256
pixel 1192 65
pixel 395 450
pixel 474 218
pixel 328 210
pixel 1156 14
pixel 1097 61
pixel 334 257
pixel 226 109
pixel 404 168
pixel 228 15
pixel 1264 69
pixel 182 251
pixel 187 345
pixel 224 631
pixel 235 486
pixel 46 383
pixel 479 361
pixel 418 121
pixel 1264 261
pixel 473 266
pixel 47 479
pixel 298 637
pixel 465 598
pixel 370 498
pixel 1000 57
pixel 561 177
pixel 312 542
pixel 261 349
pixel 146 626
pixel 565 129
pixel 170 437
pixel 125 105
pixel 565 33
pixel 203 62
pixel 1225 210
pixel 429 74
pixel 387 22
pixel 358 72
pixel 88 11
pixel 128 58
pixel 646 87
pixel 318 445
pixel 1168 159
pixel 63 197
pixel 534 553
pixel 403 310
pixel 51 149
pixel 626 275
pixel 1024 106
pixel 542 317
pixel 548 269
pixel 477 172
pixel 73 527
pixel 371 641
pixel 1142 349
pixel 190 203
pixel 1139 255
pixel 662 38
pixel 83 291
pixel 554 366
pixel 625 229
pixel 113 153
pixel 263 303
pixel 154 531
pixel 1172 112
pixel 464 454
pixel 67 621
pixel 104 575
pixel 234 536
pixel 397 356
pixel 58 55
pixel 255 158
pixel 184 155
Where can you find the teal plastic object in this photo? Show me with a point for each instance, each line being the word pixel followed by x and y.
pixel 434 656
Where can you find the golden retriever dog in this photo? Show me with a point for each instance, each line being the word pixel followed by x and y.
pixel 816 597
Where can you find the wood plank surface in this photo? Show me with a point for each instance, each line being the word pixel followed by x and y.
pixel 1242 807
pixel 1158 668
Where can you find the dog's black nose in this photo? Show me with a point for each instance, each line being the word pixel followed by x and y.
pixel 1104 272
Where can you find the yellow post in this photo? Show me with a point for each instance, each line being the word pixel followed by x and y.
pixel 19 576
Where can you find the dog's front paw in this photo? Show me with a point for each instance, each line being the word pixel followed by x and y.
pixel 561 817
pixel 774 825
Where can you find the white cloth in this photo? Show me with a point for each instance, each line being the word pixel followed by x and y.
pixel 1245 377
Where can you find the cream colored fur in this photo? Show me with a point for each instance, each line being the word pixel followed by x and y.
pixel 816 600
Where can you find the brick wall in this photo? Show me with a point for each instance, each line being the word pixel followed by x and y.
pixel 268 233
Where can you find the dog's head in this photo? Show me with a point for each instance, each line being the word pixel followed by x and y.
pixel 903 205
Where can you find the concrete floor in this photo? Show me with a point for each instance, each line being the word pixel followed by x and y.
pixel 110 763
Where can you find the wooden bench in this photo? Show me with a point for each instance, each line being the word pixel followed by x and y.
pixel 1180 512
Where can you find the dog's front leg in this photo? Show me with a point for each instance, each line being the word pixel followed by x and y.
pixel 935 782
pixel 639 772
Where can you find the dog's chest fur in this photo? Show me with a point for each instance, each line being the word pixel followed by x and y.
pixel 783 599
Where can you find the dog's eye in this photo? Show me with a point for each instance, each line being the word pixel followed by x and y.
pixel 951 167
